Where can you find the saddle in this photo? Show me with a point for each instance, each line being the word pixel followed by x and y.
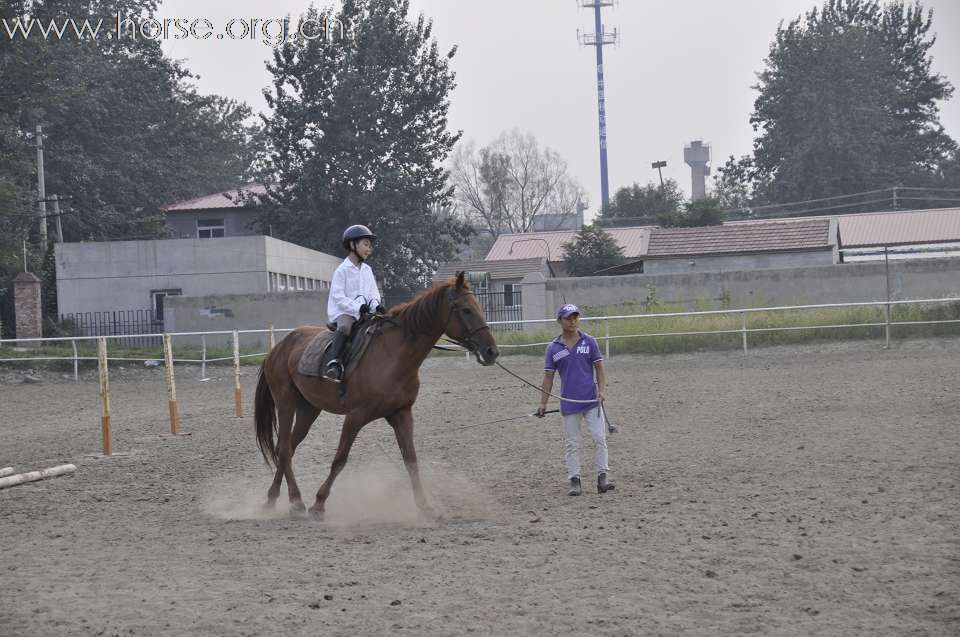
pixel 360 336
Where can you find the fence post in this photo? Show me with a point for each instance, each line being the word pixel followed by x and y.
pixel 886 328
pixel 606 323
pixel 171 384
pixel 273 341
pixel 104 395
pixel 76 363
pixel 237 398
pixel 886 269
pixel 743 330
pixel 203 356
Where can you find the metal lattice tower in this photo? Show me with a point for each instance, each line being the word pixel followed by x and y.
pixel 598 39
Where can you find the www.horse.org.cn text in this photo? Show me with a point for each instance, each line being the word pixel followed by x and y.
pixel 273 32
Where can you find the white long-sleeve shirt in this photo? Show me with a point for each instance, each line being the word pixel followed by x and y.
pixel 350 288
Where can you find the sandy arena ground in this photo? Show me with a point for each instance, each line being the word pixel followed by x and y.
pixel 809 490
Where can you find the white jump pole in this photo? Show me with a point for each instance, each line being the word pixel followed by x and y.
pixel 171 384
pixel 237 397
pixel 32 476
pixel 6 471
pixel 104 395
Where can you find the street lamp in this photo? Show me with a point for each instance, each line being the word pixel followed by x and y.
pixel 549 256
pixel 658 165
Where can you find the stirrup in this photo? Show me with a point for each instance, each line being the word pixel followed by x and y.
pixel 333 371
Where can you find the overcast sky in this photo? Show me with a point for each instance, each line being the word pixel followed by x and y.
pixel 683 70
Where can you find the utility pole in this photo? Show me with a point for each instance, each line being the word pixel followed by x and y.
pixel 598 39
pixel 41 191
pixel 57 215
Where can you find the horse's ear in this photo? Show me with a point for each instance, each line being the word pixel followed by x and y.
pixel 460 279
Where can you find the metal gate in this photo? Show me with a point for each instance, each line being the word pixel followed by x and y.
pixel 506 305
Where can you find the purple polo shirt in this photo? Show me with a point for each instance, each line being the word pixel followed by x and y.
pixel 575 365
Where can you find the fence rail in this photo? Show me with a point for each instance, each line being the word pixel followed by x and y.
pixel 744 330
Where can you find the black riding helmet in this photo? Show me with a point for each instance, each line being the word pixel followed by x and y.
pixel 353 233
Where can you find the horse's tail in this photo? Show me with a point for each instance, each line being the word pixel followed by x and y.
pixel 265 416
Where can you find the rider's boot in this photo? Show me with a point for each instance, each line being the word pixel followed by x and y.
pixel 333 369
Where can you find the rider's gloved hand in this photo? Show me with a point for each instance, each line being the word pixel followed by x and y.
pixel 541 411
pixel 379 309
pixel 364 309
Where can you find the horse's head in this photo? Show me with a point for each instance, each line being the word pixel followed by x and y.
pixel 465 322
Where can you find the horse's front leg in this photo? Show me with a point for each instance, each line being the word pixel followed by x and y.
pixel 352 425
pixel 402 423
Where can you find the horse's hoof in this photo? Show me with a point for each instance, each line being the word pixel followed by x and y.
pixel 270 504
pixel 429 516
pixel 316 514
pixel 297 510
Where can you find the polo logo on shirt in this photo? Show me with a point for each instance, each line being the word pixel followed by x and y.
pixel 583 349
pixel 561 354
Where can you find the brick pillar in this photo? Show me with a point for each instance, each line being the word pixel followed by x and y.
pixel 26 306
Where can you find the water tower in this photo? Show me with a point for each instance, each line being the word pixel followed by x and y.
pixel 697 156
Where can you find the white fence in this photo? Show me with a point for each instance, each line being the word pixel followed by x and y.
pixel 744 330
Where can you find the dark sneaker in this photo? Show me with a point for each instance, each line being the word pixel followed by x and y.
pixel 602 485
pixel 575 488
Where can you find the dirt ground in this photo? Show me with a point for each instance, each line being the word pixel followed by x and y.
pixel 807 490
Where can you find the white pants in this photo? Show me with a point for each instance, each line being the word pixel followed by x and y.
pixel 571 440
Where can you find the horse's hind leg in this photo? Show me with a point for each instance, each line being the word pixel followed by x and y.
pixel 305 414
pixel 284 426
pixel 351 427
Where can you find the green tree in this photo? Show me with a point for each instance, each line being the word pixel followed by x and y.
pixel 124 131
pixel 591 249
pixel 640 205
pixel 733 186
pixel 358 134
pixel 700 212
pixel 848 103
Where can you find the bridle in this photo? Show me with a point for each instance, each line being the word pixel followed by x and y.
pixel 466 340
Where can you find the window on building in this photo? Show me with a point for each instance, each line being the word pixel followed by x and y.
pixel 301 284
pixel 282 282
pixel 511 294
pixel 156 301
pixel 210 228
pixel 310 283
pixel 272 281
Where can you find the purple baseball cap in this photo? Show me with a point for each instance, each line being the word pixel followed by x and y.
pixel 567 310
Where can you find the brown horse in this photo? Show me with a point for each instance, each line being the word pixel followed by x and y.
pixel 384 384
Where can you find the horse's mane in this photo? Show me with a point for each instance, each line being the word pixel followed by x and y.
pixel 419 316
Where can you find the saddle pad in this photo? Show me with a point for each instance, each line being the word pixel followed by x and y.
pixel 309 364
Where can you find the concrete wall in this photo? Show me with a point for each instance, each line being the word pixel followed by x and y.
pixel 237 223
pixel 246 311
pixel 120 275
pixel 849 282
pixel 295 260
pixel 724 263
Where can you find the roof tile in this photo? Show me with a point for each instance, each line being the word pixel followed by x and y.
pixel 755 237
